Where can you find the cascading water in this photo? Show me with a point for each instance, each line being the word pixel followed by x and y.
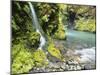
pixel 37 26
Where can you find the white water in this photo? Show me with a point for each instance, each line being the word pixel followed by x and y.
pixel 87 55
pixel 37 26
pixel 84 45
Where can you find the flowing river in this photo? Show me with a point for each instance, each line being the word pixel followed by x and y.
pixel 80 39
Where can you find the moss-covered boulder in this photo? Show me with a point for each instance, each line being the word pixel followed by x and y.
pixel 40 58
pixel 60 34
pixel 54 51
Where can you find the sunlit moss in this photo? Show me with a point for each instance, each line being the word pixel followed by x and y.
pixel 40 58
pixel 22 59
pixel 60 34
pixel 54 51
pixel 62 6
pixel 34 38
pixel 86 25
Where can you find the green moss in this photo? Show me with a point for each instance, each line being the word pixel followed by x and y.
pixel 60 34
pixel 86 25
pixel 40 58
pixel 50 17
pixel 54 51
pixel 22 59
pixel 34 38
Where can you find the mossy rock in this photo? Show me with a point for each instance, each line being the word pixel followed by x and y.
pixel 34 39
pixel 60 35
pixel 54 51
pixel 40 58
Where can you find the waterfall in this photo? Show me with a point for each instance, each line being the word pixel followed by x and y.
pixel 37 26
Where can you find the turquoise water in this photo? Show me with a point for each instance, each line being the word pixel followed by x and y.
pixel 84 44
pixel 80 39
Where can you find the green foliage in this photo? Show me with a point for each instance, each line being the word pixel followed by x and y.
pixel 45 18
pixel 24 38
pixel 22 59
pixel 82 10
pixel 86 20
pixel 60 34
pixel 86 25
pixel 40 58
pixel 54 51
pixel 14 26
pixel 84 17
pixel 22 30
pixel 16 49
pixel 21 20
pixel 62 6
pixel 50 17
pixel 34 39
